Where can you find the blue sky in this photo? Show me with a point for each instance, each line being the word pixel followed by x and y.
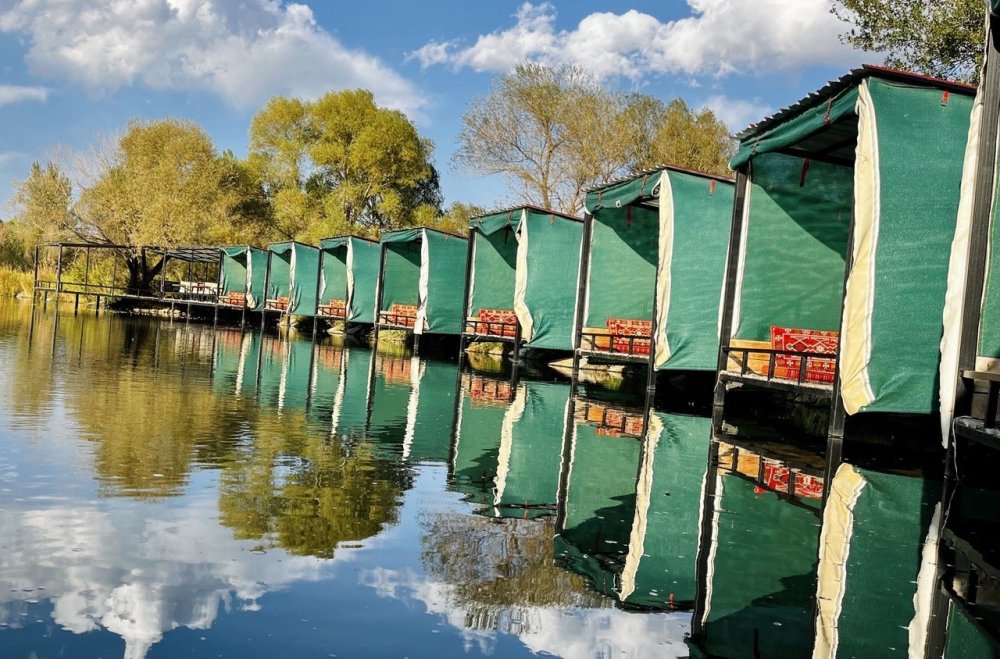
pixel 75 69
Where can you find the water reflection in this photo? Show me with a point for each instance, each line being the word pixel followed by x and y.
pixel 170 488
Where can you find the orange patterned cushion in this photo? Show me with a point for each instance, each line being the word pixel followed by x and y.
pixel 335 308
pixel 503 322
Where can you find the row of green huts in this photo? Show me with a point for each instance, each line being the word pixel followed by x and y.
pixel 822 267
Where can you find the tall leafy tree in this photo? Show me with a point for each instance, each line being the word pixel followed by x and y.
pixel 942 38
pixel 342 163
pixel 553 133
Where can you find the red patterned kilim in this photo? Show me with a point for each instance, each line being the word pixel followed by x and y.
pixel 403 315
pixel 621 328
pixel 334 309
pixel 279 304
pixel 233 299
pixel 803 340
pixel 776 480
pixel 504 322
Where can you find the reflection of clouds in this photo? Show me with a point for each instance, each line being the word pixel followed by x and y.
pixel 568 632
pixel 135 577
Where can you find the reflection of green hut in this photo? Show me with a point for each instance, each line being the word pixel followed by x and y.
pixel 761 568
pixel 227 362
pixel 659 569
pixel 246 376
pixel 325 383
pixel 428 426
pixel 600 491
pixel 871 163
pixel 241 281
pixel 524 264
pixel 269 370
pixel 292 278
pixel 296 375
pixel 391 398
pixel 422 281
pixel 530 455
pixel 477 442
pixel 348 279
pixel 351 399
pixel 967 636
pixel 657 243
pixel 877 546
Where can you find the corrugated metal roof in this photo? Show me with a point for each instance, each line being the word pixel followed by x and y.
pixel 654 170
pixel 532 207
pixel 846 81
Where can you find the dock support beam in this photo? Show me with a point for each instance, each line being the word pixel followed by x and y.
pixel 583 279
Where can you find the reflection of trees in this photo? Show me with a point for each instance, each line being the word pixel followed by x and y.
pixel 291 486
pixel 500 569
pixel 138 390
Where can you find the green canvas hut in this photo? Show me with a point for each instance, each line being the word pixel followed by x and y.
pixel 530 455
pixel 878 558
pixel 653 261
pixel 292 278
pixel 482 407
pixel 349 275
pixel 241 280
pixel 422 281
pixel 522 277
pixel 845 211
pixel 759 560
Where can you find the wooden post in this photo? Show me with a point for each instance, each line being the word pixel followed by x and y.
pixel 729 297
pixel 59 272
pixel 379 291
pixel 34 279
pixel 582 282
pixel 470 254
pixel 267 284
pixel 319 278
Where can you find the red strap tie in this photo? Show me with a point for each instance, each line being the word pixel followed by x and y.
pixel 805 170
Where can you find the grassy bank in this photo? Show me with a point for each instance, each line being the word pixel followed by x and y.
pixel 15 282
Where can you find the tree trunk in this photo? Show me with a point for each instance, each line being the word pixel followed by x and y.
pixel 140 280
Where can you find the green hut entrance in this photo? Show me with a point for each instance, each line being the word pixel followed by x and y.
pixel 349 272
pixel 422 280
pixel 844 215
pixel 654 259
pixel 241 283
pixel 292 278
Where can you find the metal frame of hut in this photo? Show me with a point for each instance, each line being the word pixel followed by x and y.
pixel 845 208
pixel 521 269
pixel 348 275
pixel 420 282
pixel 651 270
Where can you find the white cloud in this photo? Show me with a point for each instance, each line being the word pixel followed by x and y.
pixel 737 113
pixel 720 37
pixel 10 94
pixel 243 50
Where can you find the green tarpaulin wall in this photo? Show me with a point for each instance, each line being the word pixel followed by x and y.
pixel 763 577
pixel 350 264
pixel 623 258
pixel 600 493
pixel 547 278
pixel 695 221
pixel 233 278
pixel 294 272
pixel 662 552
pixel 494 261
pixel 243 271
pixel 426 268
pixel 966 638
pixel 904 184
pixel 530 455
pixel 429 433
pixel 796 243
pixel 872 560
pixel 477 449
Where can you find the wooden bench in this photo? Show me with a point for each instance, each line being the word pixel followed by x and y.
pixel 492 322
pixel 399 315
pixel 336 309
pixel 277 304
pixel 233 299
pixel 627 336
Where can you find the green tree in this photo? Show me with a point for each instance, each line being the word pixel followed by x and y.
pixel 941 38
pixel 694 139
pixel 164 185
pixel 43 211
pixel 553 133
pixel 342 164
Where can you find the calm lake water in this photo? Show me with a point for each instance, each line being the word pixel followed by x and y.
pixel 167 489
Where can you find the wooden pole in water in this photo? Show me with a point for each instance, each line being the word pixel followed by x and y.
pixel 379 293
pixel 583 277
pixel 319 278
pixel 267 284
